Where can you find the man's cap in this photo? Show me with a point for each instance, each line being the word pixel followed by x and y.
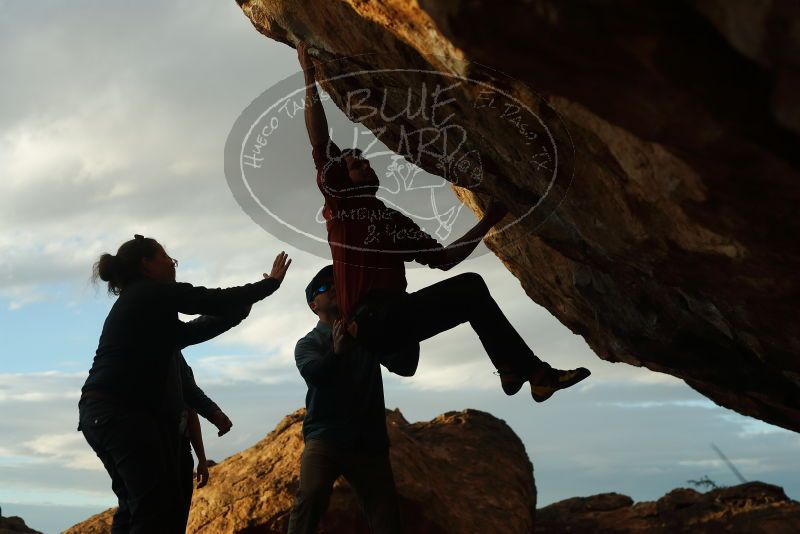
pixel 325 274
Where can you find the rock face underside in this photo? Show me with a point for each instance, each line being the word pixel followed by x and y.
pixel 446 480
pixel 675 126
pixel 754 508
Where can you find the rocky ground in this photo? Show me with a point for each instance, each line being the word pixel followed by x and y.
pixel 460 472
pixel 752 508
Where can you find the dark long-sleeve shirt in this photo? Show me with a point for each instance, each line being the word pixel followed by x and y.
pixel 194 397
pixel 180 388
pixel 136 360
pixel 344 403
pixel 196 331
pixel 205 327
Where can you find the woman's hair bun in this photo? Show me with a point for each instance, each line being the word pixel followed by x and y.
pixel 125 267
pixel 106 267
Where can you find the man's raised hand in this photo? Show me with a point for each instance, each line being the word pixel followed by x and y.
pixel 279 267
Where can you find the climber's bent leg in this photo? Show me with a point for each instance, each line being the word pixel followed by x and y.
pixel 444 305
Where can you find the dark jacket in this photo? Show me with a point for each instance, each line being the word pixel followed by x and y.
pixel 136 361
pixel 198 330
pixel 344 403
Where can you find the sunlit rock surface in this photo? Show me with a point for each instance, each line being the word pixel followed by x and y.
pixel 460 472
pixel 754 508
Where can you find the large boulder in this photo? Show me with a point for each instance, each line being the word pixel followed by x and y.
pixel 675 246
pixel 460 472
pixel 754 508
pixel 97 524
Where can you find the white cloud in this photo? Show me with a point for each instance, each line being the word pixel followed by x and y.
pixel 645 404
pixel 111 149
pixel 276 324
pixel 38 396
pixel 78 148
pixel 21 296
pixel 254 369
pixel 752 428
pixel 64 450
pixel 452 377
pixel 39 387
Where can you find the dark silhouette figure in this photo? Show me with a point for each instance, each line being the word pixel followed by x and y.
pixel 369 268
pixel 191 437
pixel 345 425
pixel 138 385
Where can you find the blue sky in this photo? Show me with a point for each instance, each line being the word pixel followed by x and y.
pixel 113 123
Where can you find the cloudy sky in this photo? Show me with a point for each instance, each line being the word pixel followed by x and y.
pixel 113 121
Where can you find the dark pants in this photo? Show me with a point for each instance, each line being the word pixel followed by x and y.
pixel 140 453
pixel 386 322
pixel 402 359
pixel 186 481
pixel 369 474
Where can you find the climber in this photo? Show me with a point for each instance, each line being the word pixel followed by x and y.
pixel 131 402
pixel 345 425
pixel 369 269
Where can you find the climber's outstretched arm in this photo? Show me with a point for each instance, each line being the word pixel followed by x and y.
pixel 459 250
pixel 316 122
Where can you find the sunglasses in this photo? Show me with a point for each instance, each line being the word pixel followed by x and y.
pixel 323 288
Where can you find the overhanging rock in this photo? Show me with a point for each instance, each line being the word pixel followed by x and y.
pixel 675 245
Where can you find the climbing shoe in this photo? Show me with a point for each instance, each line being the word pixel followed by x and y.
pixel 555 379
pixel 511 381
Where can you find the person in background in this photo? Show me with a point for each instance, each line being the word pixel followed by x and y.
pixel 131 402
pixel 191 437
